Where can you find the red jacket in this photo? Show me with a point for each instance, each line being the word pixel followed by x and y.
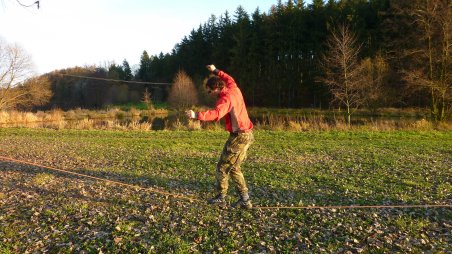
pixel 230 103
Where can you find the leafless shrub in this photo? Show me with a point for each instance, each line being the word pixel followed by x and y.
pixel 183 92
pixel 147 99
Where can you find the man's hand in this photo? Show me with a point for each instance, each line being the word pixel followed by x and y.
pixel 211 67
pixel 191 114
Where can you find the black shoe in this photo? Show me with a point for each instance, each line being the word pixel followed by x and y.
pixel 245 204
pixel 217 200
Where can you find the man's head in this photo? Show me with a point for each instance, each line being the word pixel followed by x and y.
pixel 214 85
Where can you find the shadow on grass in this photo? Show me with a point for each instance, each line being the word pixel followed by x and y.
pixel 146 185
pixel 28 173
pixel 322 192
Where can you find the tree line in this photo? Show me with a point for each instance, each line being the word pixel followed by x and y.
pixel 283 58
pixel 289 56
pixel 278 58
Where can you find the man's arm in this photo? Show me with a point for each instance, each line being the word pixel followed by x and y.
pixel 230 82
pixel 222 107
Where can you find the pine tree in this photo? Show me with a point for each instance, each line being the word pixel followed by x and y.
pixel 317 4
pixel 144 72
pixel 115 71
pixel 127 70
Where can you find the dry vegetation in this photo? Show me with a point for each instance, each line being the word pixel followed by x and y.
pixel 183 93
pixel 111 119
pixel 116 119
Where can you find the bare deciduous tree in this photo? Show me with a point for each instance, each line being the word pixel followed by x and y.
pixel 36 92
pixel 431 60
pixel 343 70
pixel 183 92
pixel 15 68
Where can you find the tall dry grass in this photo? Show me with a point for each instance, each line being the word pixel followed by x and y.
pixel 194 125
pixel 134 112
pixel 176 125
pixel 136 125
pixel 18 117
pixel 320 123
pixel 57 119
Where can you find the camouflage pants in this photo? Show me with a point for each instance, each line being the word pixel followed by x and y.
pixel 234 153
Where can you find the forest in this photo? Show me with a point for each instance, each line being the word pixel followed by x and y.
pixel 282 58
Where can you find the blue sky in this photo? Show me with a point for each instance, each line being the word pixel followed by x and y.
pixel 67 33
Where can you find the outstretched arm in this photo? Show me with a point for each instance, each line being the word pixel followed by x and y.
pixel 222 107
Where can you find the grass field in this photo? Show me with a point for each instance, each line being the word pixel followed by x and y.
pixel 45 211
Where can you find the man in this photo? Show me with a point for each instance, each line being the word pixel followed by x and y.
pixel 231 106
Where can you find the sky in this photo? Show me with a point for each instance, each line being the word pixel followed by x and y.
pixel 68 33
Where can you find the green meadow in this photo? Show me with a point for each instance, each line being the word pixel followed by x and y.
pixel 47 211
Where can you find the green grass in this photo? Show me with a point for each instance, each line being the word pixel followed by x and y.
pixel 71 214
